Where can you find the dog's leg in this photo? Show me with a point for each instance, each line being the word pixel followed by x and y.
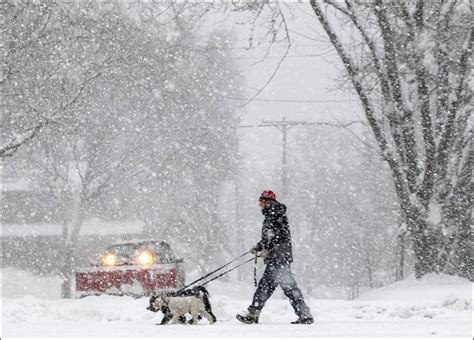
pixel 194 316
pixel 174 319
pixel 209 317
pixel 166 319
pixel 166 315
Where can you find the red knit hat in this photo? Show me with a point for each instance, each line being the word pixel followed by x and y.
pixel 267 195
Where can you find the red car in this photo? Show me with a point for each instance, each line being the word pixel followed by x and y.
pixel 134 268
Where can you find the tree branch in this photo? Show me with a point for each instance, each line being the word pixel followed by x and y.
pixel 392 74
pixel 275 71
pixel 447 135
pixel 400 184
pixel 393 118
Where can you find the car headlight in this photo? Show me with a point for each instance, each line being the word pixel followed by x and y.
pixel 146 258
pixel 109 260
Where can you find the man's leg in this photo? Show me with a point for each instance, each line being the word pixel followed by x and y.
pixel 288 283
pixel 266 287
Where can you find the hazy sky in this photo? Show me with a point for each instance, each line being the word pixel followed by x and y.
pixel 308 73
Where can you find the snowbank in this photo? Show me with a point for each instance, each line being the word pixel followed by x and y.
pixel 432 287
pixel 16 283
pixel 437 306
pixel 435 296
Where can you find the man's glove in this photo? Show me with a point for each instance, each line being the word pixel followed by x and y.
pixel 255 249
pixel 258 251
pixel 263 253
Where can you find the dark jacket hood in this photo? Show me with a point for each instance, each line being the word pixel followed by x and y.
pixel 273 207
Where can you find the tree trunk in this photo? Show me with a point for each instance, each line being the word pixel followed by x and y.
pixel 370 275
pixel 463 252
pixel 71 237
pixel 67 274
pixel 354 290
pixel 400 274
pixel 423 169
pixel 425 245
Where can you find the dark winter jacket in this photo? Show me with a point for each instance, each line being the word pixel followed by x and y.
pixel 276 235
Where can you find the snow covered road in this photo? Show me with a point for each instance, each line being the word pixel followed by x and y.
pixel 436 307
pixel 337 328
pixel 108 316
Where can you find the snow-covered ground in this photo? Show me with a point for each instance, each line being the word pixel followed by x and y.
pixel 437 306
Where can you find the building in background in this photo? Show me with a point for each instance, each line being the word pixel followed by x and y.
pixel 32 233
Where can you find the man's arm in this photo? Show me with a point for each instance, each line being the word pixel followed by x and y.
pixel 268 236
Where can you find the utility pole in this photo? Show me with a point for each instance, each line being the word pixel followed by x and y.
pixel 283 125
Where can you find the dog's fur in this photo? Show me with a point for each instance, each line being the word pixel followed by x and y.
pixel 174 306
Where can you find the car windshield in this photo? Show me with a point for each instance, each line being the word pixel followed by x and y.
pixel 129 251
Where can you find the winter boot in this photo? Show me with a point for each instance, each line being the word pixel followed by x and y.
pixel 303 320
pixel 249 316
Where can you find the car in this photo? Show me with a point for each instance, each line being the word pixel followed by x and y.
pixel 136 268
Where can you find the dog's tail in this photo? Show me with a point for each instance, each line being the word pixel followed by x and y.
pixel 203 290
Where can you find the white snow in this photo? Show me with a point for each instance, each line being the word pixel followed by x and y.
pixel 432 287
pixel 436 306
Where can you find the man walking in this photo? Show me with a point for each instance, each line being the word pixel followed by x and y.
pixel 275 247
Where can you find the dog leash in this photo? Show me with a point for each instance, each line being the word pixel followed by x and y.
pixel 228 271
pixel 214 271
pixel 255 272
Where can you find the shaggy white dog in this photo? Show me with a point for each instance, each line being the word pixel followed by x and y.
pixel 181 305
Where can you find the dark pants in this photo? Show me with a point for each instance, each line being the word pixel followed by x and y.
pixel 279 275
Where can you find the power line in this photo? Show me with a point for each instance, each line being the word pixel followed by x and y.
pixel 259 48
pixel 284 125
pixel 297 123
pixel 294 100
pixel 300 55
pixel 278 57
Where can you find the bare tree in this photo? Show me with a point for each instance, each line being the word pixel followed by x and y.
pixel 411 77
pixel 36 92
pixel 145 123
pixel 99 146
